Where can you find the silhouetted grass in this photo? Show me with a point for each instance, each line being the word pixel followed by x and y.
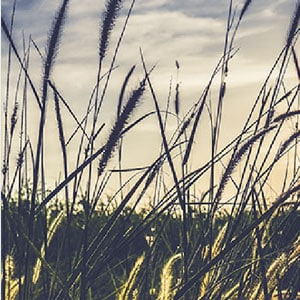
pixel 79 240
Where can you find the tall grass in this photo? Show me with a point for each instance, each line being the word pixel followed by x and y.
pixel 72 241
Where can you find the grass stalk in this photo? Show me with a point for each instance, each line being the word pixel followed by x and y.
pixel 79 240
pixel 128 287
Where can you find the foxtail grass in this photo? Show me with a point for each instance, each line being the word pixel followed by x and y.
pixel 119 126
pixel 89 254
pixel 167 289
pixel 12 285
pixel 109 17
pixel 128 292
pixel 50 234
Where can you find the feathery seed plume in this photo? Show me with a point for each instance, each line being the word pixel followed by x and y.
pixel 109 17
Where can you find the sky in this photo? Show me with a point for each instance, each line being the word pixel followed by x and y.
pixel 190 32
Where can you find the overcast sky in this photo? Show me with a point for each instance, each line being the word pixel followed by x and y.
pixel 191 32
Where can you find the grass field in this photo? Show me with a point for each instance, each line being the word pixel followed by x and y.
pixel 77 240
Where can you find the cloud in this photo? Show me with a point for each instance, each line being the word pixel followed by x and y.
pixel 190 31
pixel 172 33
pixel 21 4
pixel 191 8
pixel 164 29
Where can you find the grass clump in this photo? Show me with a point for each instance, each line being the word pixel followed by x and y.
pixel 233 240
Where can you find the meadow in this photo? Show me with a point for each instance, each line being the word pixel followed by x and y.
pixel 78 240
